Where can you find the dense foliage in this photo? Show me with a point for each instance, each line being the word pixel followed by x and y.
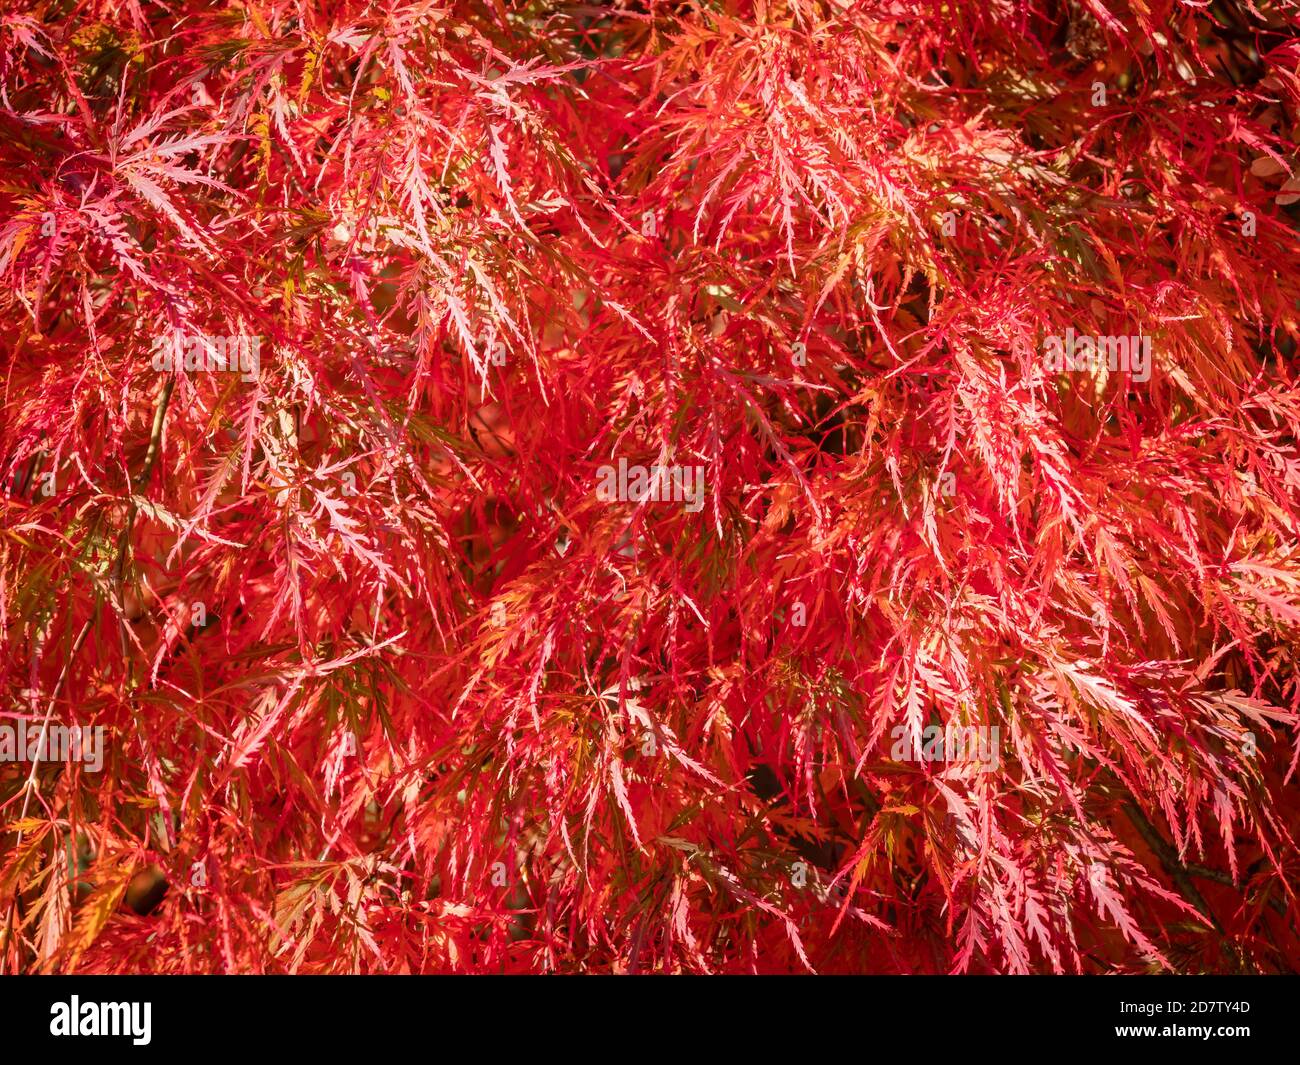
pixel 396 675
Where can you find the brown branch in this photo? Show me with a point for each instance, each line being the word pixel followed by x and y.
pixel 1177 872
pixel 142 478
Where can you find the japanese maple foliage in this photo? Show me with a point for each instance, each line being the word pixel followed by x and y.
pixel 388 684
